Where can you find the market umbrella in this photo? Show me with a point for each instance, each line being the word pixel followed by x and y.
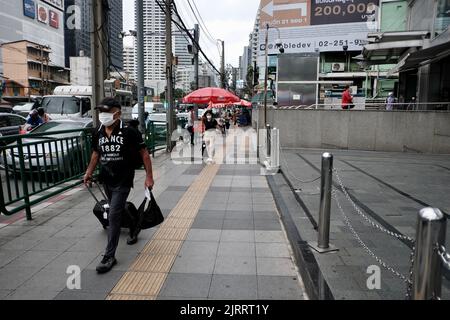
pixel 211 95
pixel 244 103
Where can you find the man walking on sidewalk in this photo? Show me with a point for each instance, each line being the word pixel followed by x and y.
pixel 115 147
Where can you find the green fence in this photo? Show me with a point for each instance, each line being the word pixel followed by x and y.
pixel 156 136
pixel 36 167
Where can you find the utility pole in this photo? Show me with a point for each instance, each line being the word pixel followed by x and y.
pixel 169 74
pixel 266 76
pixel 98 58
pixel 196 50
pixel 222 70
pixel 140 64
pixel 41 48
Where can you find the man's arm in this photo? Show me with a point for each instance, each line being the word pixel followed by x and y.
pixel 149 182
pixel 92 165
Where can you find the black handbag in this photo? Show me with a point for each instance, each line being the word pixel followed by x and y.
pixel 149 217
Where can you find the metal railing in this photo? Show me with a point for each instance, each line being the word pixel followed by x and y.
pixel 38 166
pixel 428 256
pixel 155 136
pixel 371 106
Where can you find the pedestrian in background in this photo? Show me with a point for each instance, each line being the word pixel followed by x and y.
pixel 191 123
pixel 390 100
pixel 44 116
pixel 210 126
pixel 115 147
pixel 347 99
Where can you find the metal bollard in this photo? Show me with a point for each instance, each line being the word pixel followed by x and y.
pixel 326 185
pixel 427 269
pixel 268 140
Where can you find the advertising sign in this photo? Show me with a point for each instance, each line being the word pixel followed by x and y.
pixel 285 14
pixel 59 4
pixel 29 8
pixel 54 19
pixel 338 11
pixel 42 14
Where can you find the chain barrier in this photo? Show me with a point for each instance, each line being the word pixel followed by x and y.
pixel 445 257
pixel 365 217
pixel 363 244
pixel 409 286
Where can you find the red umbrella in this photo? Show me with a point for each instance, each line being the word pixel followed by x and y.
pixel 244 103
pixel 211 95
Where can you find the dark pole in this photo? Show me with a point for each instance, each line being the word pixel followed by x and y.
pixel 196 50
pixel 266 76
pixel 140 63
pixel 169 75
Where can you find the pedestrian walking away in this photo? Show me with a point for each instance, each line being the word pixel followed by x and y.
pixel 190 123
pixel 116 148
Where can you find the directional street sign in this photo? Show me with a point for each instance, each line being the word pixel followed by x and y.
pixel 284 14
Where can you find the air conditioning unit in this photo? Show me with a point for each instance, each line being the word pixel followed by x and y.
pixel 338 67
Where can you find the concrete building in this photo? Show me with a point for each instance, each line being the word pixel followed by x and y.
pixel 130 61
pixel 245 61
pixel 254 38
pixel 417 49
pixel 29 64
pixel 81 74
pixel 36 21
pixel 154 44
pixel 185 77
pixel 78 26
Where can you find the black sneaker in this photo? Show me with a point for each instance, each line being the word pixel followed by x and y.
pixel 106 264
pixel 132 240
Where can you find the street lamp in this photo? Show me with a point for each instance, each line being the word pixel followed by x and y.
pixel 279 45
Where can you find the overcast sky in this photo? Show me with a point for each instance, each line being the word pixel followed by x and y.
pixel 228 20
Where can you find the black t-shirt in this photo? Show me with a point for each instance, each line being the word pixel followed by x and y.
pixel 210 124
pixel 117 154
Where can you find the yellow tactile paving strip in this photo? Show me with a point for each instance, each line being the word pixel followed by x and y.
pixel 146 276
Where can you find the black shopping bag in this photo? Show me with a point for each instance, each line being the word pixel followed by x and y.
pixel 151 216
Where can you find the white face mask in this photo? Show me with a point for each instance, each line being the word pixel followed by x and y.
pixel 209 118
pixel 106 119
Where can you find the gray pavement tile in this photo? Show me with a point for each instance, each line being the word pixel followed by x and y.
pixel 235 265
pixel 194 264
pixel 275 267
pixel 243 215
pixel 47 280
pixel 236 287
pixel 237 236
pixel 270 236
pixel 55 244
pixel 36 294
pixel 198 248
pixel 178 298
pixel 238 224
pixel 66 259
pixel 80 295
pixel 207 223
pixel 186 285
pixel 211 214
pixel 272 250
pixel 236 249
pixel 266 215
pixel 264 207
pixel 75 231
pixel 14 231
pixel 37 259
pixel 41 232
pixel 92 282
pixel 204 235
pixel 279 288
pixel 4 293
pixel 6 256
pixel 89 244
pixel 12 278
pixel 239 207
pixel 212 207
pixel 267 224
pixel 20 244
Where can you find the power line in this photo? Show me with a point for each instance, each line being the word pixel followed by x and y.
pixel 200 21
pixel 192 38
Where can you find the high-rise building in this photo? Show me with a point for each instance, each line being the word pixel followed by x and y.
pixel 36 21
pixel 78 26
pixel 154 44
pixel 244 62
pixel 130 61
pixel 254 38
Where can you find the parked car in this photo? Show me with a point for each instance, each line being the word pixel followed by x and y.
pixel 5 108
pixel 10 124
pixel 24 109
pixel 47 153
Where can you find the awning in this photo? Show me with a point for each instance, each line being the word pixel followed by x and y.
pixel 389 47
pixel 422 57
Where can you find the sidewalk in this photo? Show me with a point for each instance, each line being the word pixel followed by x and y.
pixel 222 239
pixel 390 188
